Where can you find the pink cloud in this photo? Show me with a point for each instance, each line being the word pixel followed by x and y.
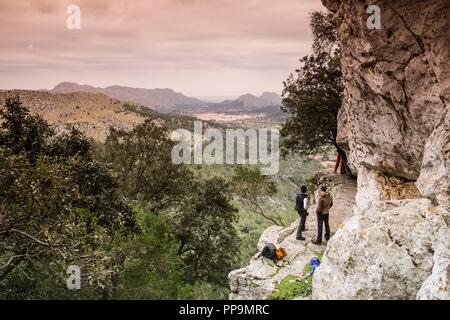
pixel 200 47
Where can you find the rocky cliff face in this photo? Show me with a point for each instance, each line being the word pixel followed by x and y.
pixel 397 89
pixel 395 127
pixel 387 252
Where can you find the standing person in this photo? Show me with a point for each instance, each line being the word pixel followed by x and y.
pixel 301 206
pixel 324 204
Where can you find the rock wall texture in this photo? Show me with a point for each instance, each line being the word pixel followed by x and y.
pixel 395 127
pixel 397 81
pixel 386 252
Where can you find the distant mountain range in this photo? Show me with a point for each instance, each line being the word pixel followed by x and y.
pixel 250 102
pixel 167 100
pixel 157 99
pixel 95 110
pixel 92 113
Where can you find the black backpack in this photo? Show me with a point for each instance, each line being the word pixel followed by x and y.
pixel 269 252
pixel 299 202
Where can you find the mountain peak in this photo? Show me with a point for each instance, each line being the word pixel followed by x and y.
pixel 154 98
pixel 70 87
pixel 250 101
pixel 247 95
pixel 272 97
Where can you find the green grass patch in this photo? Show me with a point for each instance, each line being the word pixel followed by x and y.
pixel 293 286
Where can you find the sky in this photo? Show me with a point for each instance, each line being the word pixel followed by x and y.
pixel 211 49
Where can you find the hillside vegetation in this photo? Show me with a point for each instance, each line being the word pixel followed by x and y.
pixel 136 225
pixel 144 224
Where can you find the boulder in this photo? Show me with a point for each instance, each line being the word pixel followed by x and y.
pixel 387 252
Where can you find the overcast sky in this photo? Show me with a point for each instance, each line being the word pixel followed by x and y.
pixel 203 48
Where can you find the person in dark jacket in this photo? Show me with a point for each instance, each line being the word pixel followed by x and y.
pixel 301 206
pixel 324 204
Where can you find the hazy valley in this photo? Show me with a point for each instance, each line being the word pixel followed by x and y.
pixel 246 109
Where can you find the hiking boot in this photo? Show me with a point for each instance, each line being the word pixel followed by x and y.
pixel 301 239
pixel 317 243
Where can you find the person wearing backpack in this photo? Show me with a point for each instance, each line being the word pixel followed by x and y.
pixel 324 205
pixel 301 206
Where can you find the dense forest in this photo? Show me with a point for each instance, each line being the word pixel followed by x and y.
pixel 138 226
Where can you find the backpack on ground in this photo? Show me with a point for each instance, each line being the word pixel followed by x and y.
pixel 269 251
pixel 280 253
pixel 315 263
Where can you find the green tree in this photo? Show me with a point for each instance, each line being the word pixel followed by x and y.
pixel 142 162
pixel 204 227
pixel 20 131
pixel 254 190
pixel 57 207
pixel 60 205
pixel 313 95
pixel 73 144
pixel 198 210
pixel 153 268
